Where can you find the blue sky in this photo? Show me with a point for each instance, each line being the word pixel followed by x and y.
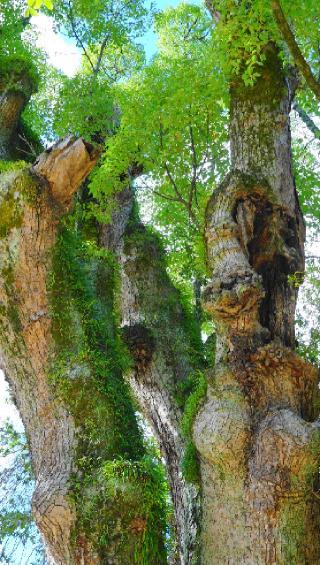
pixel 149 40
pixel 63 52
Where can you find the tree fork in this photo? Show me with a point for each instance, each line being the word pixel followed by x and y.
pixel 32 202
pixel 256 433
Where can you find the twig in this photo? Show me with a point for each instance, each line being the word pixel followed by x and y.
pixel 307 120
pixel 75 33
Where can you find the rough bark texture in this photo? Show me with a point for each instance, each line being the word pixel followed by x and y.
pixel 256 434
pixel 155 329
pixel 31 215
pixel 15 92
pixel 75 407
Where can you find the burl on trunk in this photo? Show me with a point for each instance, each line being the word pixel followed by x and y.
pixel 256 433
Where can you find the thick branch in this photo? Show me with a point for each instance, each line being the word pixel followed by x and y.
pixel 65 166
pixel 14 94
pixel 294 48
pixel 101 51
pixel 154 326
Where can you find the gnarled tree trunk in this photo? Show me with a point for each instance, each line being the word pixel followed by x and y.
pixel 256 433
pixel 32 201
pixel 159 337
pixel 56 331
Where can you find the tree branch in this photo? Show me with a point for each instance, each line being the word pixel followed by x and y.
pixel 77 37
pixel 99 60
pixel 64 166
pixel 193 188
pixel 294 48
pixel 179 196
pixel 170 198
pixel 307 120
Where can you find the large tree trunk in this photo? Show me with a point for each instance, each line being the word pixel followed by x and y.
pixel 255 434
pixel 159 337
pixel 56 334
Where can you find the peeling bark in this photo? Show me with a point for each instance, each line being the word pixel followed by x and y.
pixel 256 433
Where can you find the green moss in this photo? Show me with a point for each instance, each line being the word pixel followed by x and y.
pixel 126 510
pixel 190 464
pixel 197 388
pixel 90 361
pixel 22 189
pixel 85 336
pixel 10 312
pixel 10 213
pixel 293 531
pixel 19 74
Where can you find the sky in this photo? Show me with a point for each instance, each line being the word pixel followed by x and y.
pixel 66 56
pixel 8 410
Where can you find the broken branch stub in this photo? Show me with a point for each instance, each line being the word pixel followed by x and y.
pixel 64 166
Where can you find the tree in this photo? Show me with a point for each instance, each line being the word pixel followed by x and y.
pixel 89 312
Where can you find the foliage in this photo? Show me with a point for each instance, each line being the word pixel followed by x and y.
pixel 40 113
pixel 17 53
pixel 307 176
pixel 243 29
pixel 173 125
pixel 35 5
pixel 88 374
pixel 308 314
pixel 18 534
pixel 106 33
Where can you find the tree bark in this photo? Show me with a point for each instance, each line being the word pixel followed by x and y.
pixel 75 407
pixel 256 433
pixel 15 91
pixel 155 327
pixel 31 205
